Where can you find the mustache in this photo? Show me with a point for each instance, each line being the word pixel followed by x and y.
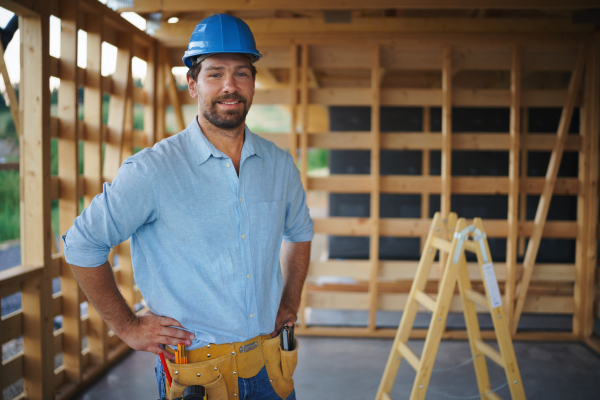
pixel 229 97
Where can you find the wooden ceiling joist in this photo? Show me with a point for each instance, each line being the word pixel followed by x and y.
pixel 232 5
pixel 178 35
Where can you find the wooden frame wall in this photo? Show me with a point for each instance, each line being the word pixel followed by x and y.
pixel 383 285
pixel 40 263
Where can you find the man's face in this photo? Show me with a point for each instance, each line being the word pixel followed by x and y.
pixel 224 88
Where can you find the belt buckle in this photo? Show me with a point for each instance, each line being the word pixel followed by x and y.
pixel 248 347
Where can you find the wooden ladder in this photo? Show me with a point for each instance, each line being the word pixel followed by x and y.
pixel 470 238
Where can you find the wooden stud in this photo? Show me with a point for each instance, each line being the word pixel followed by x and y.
pixel 160 95
pixel 293 139
pixel 580 286
pixel 117 110
pixel 173 97
pixel 304 116
pixel 513 176
pixel 38 362
pixel 425 170
pixel 150 86
pixel 303 148
pixel 375 191
pixel 546 196
pixel 524 175
pixel 68 174
pixel 592 106
pixel 446 173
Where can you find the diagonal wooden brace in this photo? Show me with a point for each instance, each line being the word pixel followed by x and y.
pixel 549 183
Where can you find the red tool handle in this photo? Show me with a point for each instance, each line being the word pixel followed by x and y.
pixel 164 364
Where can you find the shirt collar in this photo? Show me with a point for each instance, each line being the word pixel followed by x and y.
pixel 203 148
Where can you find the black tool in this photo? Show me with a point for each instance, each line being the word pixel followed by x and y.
pixel 287 338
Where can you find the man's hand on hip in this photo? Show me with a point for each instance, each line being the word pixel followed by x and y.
pixel 286 315
pixel 148 331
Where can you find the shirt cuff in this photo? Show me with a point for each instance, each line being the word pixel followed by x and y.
pixel 88 258
pixel 305 236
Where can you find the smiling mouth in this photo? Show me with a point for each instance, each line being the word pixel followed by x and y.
pixel 229 102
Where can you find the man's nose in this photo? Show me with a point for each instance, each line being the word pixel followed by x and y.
pixel 229 84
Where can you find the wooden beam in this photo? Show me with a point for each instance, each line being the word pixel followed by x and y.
pixel 173 97
pixel 303 136
pixel 592 108
pixel 546 196
pixel 293 88
pixel 68 173
pixel 232 5
pixel 150 86
pixel 513 176
pixel 375 182
pixel 38 361
pixel 160 94
pixel 425 170
pixel 117 110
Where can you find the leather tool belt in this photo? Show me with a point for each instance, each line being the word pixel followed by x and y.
pixel 217 367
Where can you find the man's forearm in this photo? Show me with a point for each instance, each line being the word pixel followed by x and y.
pixel 101 289
pixel 146 332
pixel 295 258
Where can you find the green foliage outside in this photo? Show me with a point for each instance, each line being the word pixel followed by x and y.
pixel 9 205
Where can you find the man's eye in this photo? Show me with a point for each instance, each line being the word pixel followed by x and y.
pixel 242 74
pixel 214 75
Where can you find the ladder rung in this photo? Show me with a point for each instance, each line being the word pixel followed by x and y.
pixel 409 355
pixel 492 396
pixel 441 244
pixel 425 300
pixel 477 298
pixel 471 246
pixel 385 396
pixel 490 352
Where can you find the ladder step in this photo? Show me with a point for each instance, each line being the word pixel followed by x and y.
pixel 441 244
pixel 477 298
pixel 425 300
pixel 490 352
pixel 471 246
pixel 385 396
pixel 493 396
pixel 409 355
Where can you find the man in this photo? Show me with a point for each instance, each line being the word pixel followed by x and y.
pixel 206 211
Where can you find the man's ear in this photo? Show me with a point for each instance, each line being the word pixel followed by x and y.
pixel 192 87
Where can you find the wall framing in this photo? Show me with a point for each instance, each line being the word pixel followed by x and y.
pixel 382 285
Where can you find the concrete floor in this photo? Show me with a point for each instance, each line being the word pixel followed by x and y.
pixel 334 368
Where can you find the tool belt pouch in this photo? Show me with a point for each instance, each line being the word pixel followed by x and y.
pixel 216 376
pixel 280 366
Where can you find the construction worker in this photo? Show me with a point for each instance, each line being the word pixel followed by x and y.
pixel 206 210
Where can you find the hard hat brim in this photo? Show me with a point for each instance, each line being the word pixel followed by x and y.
pixel 187 58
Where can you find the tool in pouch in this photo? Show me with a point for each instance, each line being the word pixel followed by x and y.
pixel 194 392
pixel 287 338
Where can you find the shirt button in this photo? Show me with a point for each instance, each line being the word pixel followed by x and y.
pixel 248 276
pixel 243 236
pixel 228 165
pixel 251 315
pixel 240 199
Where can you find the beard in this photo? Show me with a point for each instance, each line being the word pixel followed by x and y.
pixel 227 119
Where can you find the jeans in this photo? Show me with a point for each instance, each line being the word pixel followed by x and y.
pixel 256 388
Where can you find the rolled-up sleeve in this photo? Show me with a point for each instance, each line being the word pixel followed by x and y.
pixel 113 215
pixel 298 224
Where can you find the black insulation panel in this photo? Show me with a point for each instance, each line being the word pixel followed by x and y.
pixel 464 163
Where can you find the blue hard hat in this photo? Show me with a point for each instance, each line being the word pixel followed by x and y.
pixel 221 33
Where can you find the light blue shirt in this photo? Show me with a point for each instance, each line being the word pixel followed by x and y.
pixel 204 242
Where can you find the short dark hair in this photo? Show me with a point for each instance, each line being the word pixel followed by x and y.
pixel 195 69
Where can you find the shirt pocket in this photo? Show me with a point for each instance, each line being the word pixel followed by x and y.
pixel 268 220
